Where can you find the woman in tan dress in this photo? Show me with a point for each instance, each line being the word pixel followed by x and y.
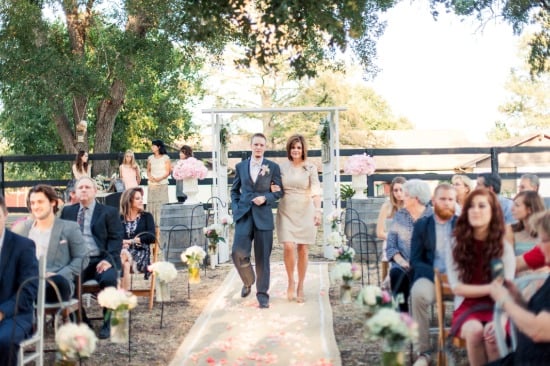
pixel 299 212
pixel 158 171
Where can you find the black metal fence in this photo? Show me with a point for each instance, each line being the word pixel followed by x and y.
pixel 380 176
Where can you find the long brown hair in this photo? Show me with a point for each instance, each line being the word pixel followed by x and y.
pixel 464 253
pixel 81 166
pixel 533 201
pixel 126 201
pixel 395 206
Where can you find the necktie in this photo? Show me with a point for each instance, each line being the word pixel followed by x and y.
pixel 81 217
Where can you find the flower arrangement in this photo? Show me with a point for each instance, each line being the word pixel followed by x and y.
pixel 165 271
pixel 116 299
pixel 346 272
pixel 324 131
pixel 75 341
pixel 373 298
pixel 360 164
pixel 214 233
pixel 393 327
pixel 193 255
pixel 333 218
pixel 189 168
pixel 335 239
pixel 224 136
pixel 344 254
pixel 226 220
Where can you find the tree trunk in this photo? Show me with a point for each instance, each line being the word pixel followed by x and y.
pixel 106 114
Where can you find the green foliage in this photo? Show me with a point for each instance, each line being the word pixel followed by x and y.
pixel 346 192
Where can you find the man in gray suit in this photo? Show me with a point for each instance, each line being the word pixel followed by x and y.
pixel 59 240
pixel 252 205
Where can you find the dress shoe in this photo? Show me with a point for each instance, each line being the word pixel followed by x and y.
pixel 264 305
pixel 105 331
pixel 246 291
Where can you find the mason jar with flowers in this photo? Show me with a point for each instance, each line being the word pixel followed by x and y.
pixel 165 272
pixel 189 171
pixel 193 257
pixel 118 303
pixel 345 273
pixel 359 166
pixel 215 234
pixel 372 298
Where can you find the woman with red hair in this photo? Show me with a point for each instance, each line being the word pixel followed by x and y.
pixel 478 239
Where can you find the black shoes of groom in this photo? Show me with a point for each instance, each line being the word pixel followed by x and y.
pixel 246 291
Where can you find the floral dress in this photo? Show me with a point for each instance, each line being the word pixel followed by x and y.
pixel 141 253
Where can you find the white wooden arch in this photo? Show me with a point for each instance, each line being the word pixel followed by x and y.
pixel 331 167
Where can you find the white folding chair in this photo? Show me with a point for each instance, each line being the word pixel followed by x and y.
pixel 28 354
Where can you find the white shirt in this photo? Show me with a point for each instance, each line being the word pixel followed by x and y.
pixel 255 167
pixel 41 239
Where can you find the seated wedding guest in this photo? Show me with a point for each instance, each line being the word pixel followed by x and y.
pixel 478 238
pixel 493 182
pixel 520 234
pixel 139 230
pixel 17 264
pixel 463 185
pixel 529 182
pixel 431 239
pixel 385 217
pixel 129 170
pixel 102 232
pixel 416 195
pixel 59 240
pixel 81 166
pixel 531 319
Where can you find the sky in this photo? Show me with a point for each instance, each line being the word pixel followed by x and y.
pixel 444 73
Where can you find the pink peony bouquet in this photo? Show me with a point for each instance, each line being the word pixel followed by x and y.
pixel 360 165
pixel 189 168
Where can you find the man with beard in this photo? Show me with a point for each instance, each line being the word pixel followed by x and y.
pixel 431 238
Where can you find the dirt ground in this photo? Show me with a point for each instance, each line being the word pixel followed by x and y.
pixel 152 344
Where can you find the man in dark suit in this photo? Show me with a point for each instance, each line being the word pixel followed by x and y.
pixel 17 264
pixel 431 239
pixel 102 233
pixel 252 204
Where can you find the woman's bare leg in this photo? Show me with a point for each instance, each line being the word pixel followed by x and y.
pixel 472 332
pixel 126 259
pixel 290 264
pixel 303 251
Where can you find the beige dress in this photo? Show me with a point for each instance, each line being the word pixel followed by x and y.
pixel 296 212
pixel 157 192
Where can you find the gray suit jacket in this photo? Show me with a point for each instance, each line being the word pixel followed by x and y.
pixel 66 250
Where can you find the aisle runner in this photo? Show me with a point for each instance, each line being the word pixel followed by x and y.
pixel 235 331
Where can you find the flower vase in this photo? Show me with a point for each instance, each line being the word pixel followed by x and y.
pixel 191 189
pixel 393 354
pixel 359 184
pixel 119 326
pixel 345 293
pixel 212 254
pixel 163 291
pixel 194 273
pixel 61 360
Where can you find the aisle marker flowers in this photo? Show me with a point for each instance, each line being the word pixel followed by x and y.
pixel 393 327
pixel 193 254
pixel 75 341
pixel 164 271
pixel 345 271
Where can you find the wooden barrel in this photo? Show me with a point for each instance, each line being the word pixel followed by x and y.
pixel 181 226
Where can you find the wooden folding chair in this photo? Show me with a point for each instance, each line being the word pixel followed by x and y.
pixel 150 291
pixel 444 294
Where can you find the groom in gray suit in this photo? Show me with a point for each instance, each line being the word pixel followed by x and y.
pixel 252 205
pixel 59 240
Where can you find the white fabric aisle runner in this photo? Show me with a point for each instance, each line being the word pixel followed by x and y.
pixel 235 331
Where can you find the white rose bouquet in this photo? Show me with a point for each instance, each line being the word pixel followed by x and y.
pixel 345 271
pixel 193 254
pixel 116 299
pixel 373 298
pixel 394 327
pixel 344 254
pixel 165 271
pixel 75 341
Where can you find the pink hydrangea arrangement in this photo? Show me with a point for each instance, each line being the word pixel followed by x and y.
pixel 189 168
pixel 360 164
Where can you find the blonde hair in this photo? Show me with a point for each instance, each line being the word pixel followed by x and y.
pixel 468 183
pixel 133 162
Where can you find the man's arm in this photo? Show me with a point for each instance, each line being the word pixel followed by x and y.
pixel 77 250
pixel 114 235
pixel 271 197
pixel 418 248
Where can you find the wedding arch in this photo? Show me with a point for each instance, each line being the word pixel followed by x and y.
pixel 330 158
